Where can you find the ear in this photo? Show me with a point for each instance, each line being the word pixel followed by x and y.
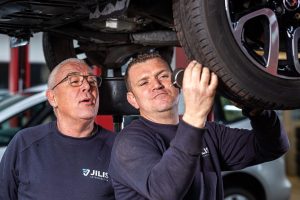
pixel 131 99
pixel 51 98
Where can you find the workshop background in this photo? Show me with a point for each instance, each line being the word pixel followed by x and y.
pixel 39 72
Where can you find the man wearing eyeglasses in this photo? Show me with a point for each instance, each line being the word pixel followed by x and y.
pixel 67 158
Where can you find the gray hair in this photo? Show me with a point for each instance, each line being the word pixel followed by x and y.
pixel 53 75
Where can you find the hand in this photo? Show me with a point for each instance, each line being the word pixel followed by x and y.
pixel 199 89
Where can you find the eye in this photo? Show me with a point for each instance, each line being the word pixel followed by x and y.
pixel 74 80
pixel 143 83
pixel 164 76
pixel 92 80
pixel 92 83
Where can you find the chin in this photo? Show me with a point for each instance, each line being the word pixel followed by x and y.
pixel 162 108
pixel 165 106
pixel 87 116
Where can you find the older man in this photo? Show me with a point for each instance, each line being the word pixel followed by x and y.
pixel 67 158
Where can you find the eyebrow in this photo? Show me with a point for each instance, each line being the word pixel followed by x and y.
pixel 142 79
pixel 78 73
pixel 162 71
pixel 156 74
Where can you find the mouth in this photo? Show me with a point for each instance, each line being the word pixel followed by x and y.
pixel 87 101
pixel 159 94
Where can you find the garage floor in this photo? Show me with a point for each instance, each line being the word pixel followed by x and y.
pixel 295 180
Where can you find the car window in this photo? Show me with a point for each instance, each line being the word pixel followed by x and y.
pixel 4 94
pixel 10 100
pixel 230 113
pixel 9 127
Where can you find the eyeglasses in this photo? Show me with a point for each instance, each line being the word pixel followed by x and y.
pixel 76 80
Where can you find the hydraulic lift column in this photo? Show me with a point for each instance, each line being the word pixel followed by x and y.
pixel 19 73
pixel 19 69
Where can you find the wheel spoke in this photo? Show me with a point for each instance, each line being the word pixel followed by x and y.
pixel 271 48
pixel 295 49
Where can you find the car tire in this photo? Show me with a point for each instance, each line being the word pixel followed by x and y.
pixel 58 48
pixel 236 193
pixel 204 33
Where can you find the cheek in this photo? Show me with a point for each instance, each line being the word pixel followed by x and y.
pixel 96 93
pixel 68 98
pixel 141 96
pixel 68 101
pixel 145 95
pixel 174 91
pixel 97 101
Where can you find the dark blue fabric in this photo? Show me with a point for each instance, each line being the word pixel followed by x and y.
pixel 42 164
pixel 170 162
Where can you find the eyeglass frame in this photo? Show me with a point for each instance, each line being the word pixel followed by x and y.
pixel 66 78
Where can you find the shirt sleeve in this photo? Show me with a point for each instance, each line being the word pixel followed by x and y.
pixel 241 148
pixel 138 163
pixel 8 173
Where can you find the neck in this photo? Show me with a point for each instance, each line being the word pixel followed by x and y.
pixel 166 117
pixel 78 129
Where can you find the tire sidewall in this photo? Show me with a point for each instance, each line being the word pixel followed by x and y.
pixel 238 191
pixel 234 65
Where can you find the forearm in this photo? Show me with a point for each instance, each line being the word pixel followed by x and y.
pixel 270 133
pixel 171 178
pixel 179 163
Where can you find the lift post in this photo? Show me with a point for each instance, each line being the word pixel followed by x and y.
pixel 19 69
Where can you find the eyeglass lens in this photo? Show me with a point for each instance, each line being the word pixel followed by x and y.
pixel 77 80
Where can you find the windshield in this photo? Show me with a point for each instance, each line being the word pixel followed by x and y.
pixel 10 100
pixel 26 114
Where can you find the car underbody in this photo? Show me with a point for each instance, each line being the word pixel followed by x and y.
pixel 251 45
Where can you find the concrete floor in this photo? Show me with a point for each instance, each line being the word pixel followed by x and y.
pixel 295 180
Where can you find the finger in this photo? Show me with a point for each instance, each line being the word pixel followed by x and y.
pixel 213 81
pixel 187 77
pixel 196 73
pixel 188 69
pixel 205 77
pixel 191 65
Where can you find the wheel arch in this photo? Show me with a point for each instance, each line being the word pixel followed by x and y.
pixel 246 181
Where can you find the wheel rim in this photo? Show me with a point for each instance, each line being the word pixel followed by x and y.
pixel 268 33
pixel 236 197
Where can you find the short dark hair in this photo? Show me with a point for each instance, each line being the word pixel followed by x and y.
pixel 139 58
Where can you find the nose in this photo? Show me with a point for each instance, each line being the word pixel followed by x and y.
pixel 157 84
pixel 85 84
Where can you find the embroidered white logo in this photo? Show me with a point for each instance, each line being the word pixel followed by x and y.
pixel 95 174
pixel 205 152
pixel 85 172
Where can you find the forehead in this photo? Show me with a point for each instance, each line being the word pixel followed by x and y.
pixel 75 67
pixel 150 66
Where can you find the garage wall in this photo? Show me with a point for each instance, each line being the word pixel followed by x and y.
pixel 39 71
pixel 36 54
pixel 291 120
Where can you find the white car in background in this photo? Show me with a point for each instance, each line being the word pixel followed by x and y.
pixel 266 181
pixel 22 110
